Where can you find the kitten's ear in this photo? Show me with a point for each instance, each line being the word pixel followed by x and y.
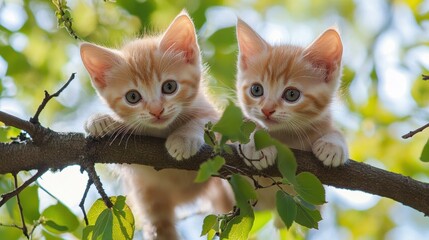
pixel 249 43
pixel 180 36
pixel 98 60
pixel 326 52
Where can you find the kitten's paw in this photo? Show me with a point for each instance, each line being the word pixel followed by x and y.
pixel 99 125
pixel 258 159
pixel 331 149
pixel 183 147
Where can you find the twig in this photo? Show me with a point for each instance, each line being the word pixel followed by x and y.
pixel 425 77
pixel 412 133
pixel 9 195
pixel 46 191
pixel 10 120
pixel 36 224
pixel 82 202
pixel 48 97
pixel 92 174
pixel 64 17
pixel 10 225
pixel 21 211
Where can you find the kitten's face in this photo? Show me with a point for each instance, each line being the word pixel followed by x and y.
pixel 286 87
pixel 150 82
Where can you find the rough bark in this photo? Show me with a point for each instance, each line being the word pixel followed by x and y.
pixel 59 150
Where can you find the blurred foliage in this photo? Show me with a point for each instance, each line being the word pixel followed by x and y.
pixel 379 36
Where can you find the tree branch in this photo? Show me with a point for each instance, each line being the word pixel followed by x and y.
pixel 5 197
pixel 66 149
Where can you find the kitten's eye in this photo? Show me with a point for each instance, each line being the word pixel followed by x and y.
pixel 291 95
pixel 257 90
pixel 133 96
pixel 169 87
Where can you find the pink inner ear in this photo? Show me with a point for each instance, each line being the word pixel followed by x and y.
pixel 326 52
pixel 98 60
pixel 249 42
pixel 180 36
pixel 97 70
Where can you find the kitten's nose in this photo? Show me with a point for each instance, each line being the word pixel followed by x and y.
pixel 268 112
pixel 156 112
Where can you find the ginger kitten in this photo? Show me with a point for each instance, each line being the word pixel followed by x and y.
pixel 288 90
pixel 153 87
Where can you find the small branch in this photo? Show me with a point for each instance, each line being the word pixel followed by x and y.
pixel 412 133
pixel 36 224
pixel 425 77
pixel 95 179
pixel 9 195
pixel 82 202
pixel 48 97
pixel 10 120
pixel 21 211
pixel 11 225
pixel 47 192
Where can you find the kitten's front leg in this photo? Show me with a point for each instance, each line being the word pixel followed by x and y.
pixel 259 159
pixel 186 141
pixel 331 149
pixel 100 125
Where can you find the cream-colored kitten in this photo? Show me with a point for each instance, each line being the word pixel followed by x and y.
pixel 153 87
pixel 288 90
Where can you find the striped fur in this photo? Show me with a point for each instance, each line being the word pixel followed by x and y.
pixel 314 71
pixel 144 65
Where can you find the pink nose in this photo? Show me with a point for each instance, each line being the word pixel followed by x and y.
pixel 268 112
pixel 157 112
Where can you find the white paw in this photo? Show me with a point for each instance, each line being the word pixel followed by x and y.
pixel 99 125
pixel 259 159
pixel 183 147
pixel 331 149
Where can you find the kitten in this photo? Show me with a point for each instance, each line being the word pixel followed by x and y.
pixel 288 89
pixel 153 87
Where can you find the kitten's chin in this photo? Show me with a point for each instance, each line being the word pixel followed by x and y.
pixel 160 123
pixel 270 123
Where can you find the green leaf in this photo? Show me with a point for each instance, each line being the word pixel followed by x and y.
pixel 87 232
pixel 263 140
pixel 103 228
pixel 208 224
pixel 261 219
pixel 310 188
pixel 211 234
pixel 286 162
pixel 424 157
pixel 243 191
pixel 228 149
pixel 239 227
pixel 305 204
pixel 230 125
pixel 55 226
pixel 119 204
pixel 247 128
pixel 286 208
pixel 60 219
pixel 209 168
pixel 306 217
pixel 209 138
pixel 123 225
pixel 10 233
pixel 30 203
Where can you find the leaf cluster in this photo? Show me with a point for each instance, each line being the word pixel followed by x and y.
pixel 297 195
